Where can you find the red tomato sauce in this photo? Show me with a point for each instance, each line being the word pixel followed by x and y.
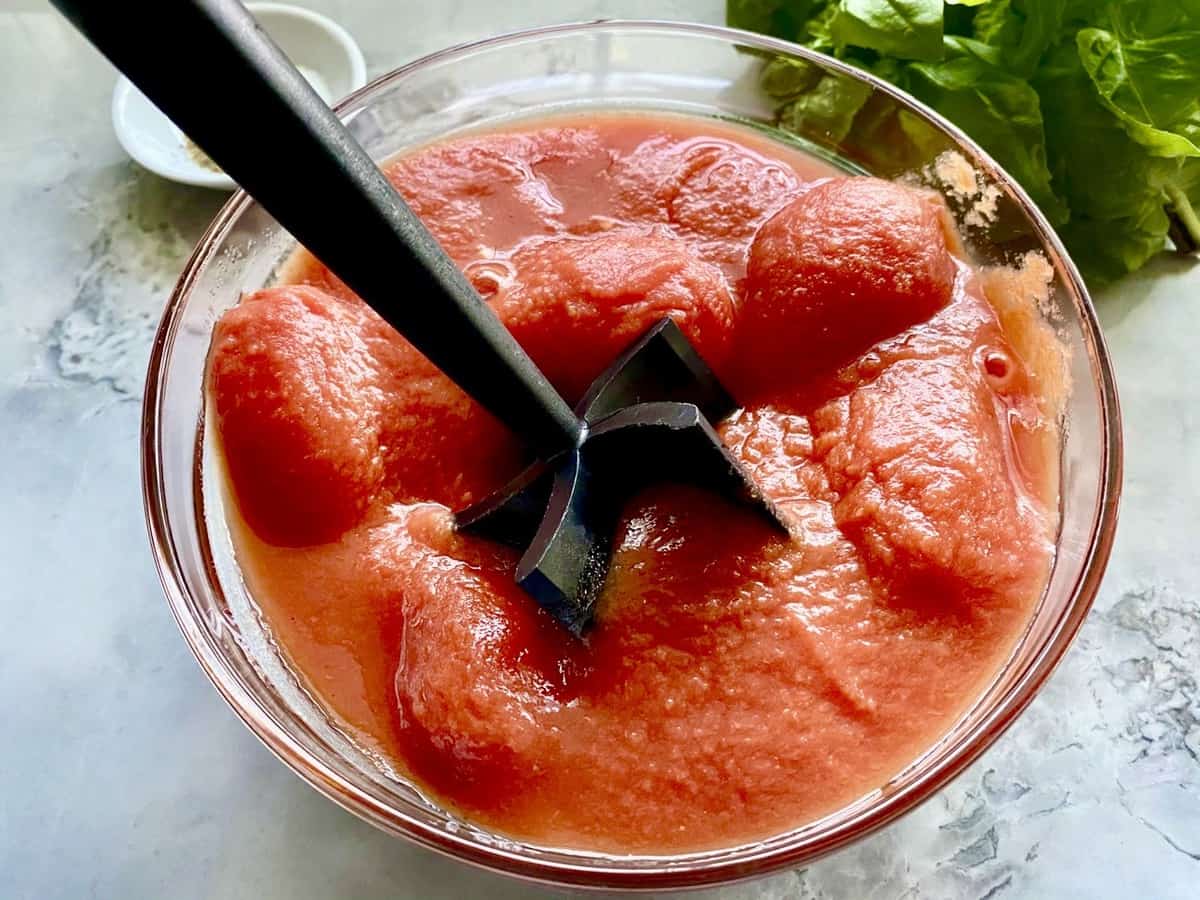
pixel 737 682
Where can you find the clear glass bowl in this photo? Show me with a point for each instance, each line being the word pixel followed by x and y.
pixel 704 71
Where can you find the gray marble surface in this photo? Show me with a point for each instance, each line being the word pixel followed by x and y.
pixel 122 773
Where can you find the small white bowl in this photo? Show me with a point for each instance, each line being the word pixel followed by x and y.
pixel 322 50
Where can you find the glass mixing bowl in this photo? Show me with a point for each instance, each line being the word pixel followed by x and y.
pixel 693 69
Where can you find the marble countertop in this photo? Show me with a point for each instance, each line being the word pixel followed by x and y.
pixel 124 775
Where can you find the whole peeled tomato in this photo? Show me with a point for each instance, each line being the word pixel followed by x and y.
pixel 921 468
pixel 848 263
pixel 298 410
pixel 576 302
pixel 483 672
pixel 712 192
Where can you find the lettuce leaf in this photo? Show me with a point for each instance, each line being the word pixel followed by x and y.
pixel 1022 30
pixel 1092 105
pixel 999 110
pixel 828 107
pixel 1120 193
pixel 782 18
pixel 905 29
pixel 1149 85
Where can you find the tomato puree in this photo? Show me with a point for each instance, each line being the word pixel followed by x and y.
pixel 738 682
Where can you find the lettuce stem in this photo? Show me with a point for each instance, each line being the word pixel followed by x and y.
pixel 1185 224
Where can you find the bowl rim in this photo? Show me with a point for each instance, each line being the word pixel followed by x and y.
pixel 616 873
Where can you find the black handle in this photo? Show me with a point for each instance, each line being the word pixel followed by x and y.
pixel 211 68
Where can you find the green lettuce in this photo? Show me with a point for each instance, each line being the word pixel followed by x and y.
pixel 1150 85
pixel 906 29
pixel 1092 105
pixel 998 109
